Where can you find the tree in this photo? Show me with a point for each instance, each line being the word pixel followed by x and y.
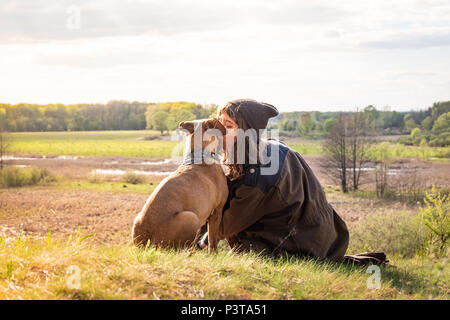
pixel 371 114
pixel 427 123
pixel 382 164
pixel 347 147
pixel 439 108
pixel 287 124
pixel 410 124
pixel 305 123
pixel 335 147
pixel 329 124
pixel 159 121
pixel 442 123
pixel 4 146
pixel 415 133
pixel 393 119
pixel 359 143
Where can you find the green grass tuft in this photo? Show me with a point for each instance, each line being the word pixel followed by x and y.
pixel 18 177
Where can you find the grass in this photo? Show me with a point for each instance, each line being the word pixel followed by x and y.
pixel 106 186
pixel 394 150
pixel 99 186
pixel 306 147
pixel 137 144
pixel 91 143
pixel 48 268
pixel 399 234
pixel 397 150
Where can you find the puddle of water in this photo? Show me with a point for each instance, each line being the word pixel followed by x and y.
pixel 19 158
pixel 119 172
pixel 67 158
pixel 156 163
pixel 111 162
pixel 145 163
pixel 389 171
pixel 41 158
pixel 21 165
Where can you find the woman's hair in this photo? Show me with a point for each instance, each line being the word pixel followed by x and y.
pixel 237 170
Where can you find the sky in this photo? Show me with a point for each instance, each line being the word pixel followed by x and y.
pixel 297 55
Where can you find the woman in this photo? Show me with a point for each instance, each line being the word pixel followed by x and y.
pixel 282 212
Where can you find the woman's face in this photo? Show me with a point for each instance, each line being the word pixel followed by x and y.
pixel 229 124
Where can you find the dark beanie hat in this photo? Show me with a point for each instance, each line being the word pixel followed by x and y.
pixel 256 114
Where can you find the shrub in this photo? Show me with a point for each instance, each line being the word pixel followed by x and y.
pixel 95 177
pixel 392 233
pixel 406 141
pixel 151 137
pixel 18 177
pixel 131 177
pixel 436 218
pixel 415 133
pixel 442 140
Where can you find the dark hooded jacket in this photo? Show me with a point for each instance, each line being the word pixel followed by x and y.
pixel 284 211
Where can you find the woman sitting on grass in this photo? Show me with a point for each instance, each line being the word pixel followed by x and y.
pixel 284 212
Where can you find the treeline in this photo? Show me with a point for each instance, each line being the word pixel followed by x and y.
pixel 114 115
pixel 167 116
pixel 428 127
pixel 431 127
pixel 317 124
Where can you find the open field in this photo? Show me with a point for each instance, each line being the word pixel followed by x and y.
pixel 84 218
pixel 93 143
pixel 133 144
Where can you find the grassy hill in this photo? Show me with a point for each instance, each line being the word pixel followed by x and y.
pixel 77 267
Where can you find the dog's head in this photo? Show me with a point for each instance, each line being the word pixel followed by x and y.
pixel 210 132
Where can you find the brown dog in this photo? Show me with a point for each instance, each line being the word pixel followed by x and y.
pixel 183 202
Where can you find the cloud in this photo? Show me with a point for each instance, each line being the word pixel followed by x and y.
pixel 289 52
pixel 44 20
pixel 383 24
pixel 411 40
pixel 48 20
pixel 413 74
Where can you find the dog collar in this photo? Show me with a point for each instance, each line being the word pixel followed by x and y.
pixel 199 157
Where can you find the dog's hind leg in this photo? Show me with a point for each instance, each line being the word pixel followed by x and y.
pixel 181 230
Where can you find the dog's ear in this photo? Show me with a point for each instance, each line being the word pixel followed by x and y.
pixel 221 127
pixel 187 125
pixel 215 124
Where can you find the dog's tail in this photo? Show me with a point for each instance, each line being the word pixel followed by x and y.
pixel 179 230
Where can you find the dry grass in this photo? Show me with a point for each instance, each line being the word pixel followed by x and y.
pixel 36 268
pixel 47 269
